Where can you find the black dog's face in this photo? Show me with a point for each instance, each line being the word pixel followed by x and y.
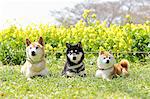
pixel 74 52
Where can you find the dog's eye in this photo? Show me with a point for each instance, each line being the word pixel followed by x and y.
pixel 109 57
pixel 37 47
pixel 70 53
pixel 104 58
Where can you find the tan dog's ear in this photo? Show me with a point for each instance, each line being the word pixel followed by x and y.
pixel 28 42
pixel 101 52
pixel 110 52
pixel 41 41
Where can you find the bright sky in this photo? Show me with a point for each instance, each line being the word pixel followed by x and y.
pixel 27 11
pixel 31 11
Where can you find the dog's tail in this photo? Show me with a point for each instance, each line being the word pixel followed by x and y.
pixel 125 65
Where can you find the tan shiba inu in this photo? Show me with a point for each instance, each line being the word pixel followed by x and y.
pixel 107 67
pixel 35 62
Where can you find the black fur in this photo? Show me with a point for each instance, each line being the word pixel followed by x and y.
pixel 68 63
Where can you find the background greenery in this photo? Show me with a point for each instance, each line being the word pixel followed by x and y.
pixel 94 36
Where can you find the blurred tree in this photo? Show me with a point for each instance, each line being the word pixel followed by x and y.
pixel 69 16
pixel 112 12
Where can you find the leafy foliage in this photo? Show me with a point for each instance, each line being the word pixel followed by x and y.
pixel 94 37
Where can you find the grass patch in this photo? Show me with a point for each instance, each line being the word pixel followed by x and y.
pixel 14 84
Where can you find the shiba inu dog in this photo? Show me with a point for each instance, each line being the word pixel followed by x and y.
pixel 107 67
pixel 35 61
pixel 74 64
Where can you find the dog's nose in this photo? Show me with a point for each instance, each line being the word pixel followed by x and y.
pixel 107 61
pixel 33 53
pixel 74 58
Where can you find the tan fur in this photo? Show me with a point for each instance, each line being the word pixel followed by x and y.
pixel 35 66
pixel 104 53
pixel 121 68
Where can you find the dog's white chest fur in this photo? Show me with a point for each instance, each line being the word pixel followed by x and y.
pixel 37 67
pixel 106 74
pixel 31 70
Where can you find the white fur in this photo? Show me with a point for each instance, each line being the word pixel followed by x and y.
pixel 78 57
pixel 101 63
pixel 71 74
pixel 30 70
pixel 105 74
pixel 31 74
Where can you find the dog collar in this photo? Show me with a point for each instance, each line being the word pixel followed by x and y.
pixel 106 68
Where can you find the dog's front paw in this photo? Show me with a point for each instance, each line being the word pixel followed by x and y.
pixel 29 79
pixel 84 75
pixel 70 74
pixel 22 70
pixel 108 79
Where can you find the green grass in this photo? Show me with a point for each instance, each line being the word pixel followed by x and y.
pixel 14 84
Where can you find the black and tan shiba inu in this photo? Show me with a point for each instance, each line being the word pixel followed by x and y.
pixel 74 64
pixel 35 61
